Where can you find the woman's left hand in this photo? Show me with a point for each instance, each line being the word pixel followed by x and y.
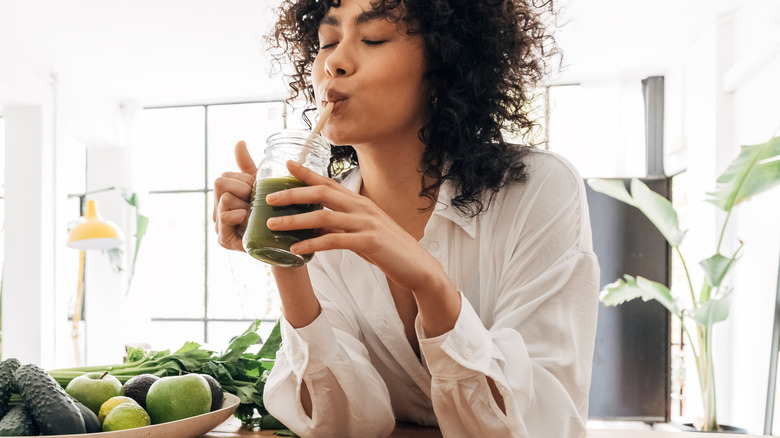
pixel 353 222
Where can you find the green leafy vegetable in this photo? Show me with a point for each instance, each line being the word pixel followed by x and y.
pixel 240 372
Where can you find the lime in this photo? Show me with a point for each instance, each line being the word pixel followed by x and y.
pixel 111 403
pixel 126 416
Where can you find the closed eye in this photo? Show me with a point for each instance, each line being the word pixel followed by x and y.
pixel 374 42
pixel 327 46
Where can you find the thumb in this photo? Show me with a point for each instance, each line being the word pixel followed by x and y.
pixel 245 162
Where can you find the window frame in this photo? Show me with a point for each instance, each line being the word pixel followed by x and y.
pixel 207 191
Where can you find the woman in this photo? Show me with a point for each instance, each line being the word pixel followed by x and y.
pixel 454 282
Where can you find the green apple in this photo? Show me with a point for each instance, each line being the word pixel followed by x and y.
pixel 175 397
pixel 92 389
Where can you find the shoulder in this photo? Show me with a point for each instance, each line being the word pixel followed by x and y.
pixel 546 169
pixel 552 198
pixel 548 175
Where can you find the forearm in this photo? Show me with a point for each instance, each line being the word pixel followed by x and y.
pixel 438 304
pixel 299 304
pixel 347 397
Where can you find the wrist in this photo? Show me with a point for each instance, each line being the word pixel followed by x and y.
pixel 438 305
pixel 299 304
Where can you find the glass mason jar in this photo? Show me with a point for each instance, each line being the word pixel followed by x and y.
pixel 273 247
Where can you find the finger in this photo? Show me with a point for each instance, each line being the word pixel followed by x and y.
pixel 311 177
pixel 229 201
pixel 245 162
pixel 323 219
pixel 230 219
pixel 327 196
pixel 239 187
pixel 230 229
pixel 243 177
pixel 326 242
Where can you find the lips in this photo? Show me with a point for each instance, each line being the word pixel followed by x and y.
pixel 334 96
pixel 338 98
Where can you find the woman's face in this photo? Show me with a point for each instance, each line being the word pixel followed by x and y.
pixel 373 71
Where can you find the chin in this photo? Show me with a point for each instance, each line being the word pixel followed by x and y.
pixel 338 137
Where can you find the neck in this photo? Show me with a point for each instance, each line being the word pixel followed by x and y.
pixel 392 180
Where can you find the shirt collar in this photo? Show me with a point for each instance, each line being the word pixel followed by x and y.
pixel 444 208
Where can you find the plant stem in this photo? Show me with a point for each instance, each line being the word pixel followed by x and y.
pixel 690 340
pixel 707 379
pixel 723 231
pixel 694 303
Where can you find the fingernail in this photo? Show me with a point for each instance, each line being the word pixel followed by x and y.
pixel 272 222
pixel 270 197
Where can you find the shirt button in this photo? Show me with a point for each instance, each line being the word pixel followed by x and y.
pixel 434 246
pixel 387 323
pixel 467 353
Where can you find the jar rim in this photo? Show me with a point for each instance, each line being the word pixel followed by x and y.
pixel 299 134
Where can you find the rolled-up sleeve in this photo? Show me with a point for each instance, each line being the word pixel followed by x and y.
pixel 544 385
pixel 349 398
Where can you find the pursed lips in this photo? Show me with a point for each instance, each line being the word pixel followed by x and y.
pixel 335 97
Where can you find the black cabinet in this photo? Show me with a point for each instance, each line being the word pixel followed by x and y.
pixel 631 366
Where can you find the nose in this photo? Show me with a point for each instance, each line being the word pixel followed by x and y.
pixel 339 61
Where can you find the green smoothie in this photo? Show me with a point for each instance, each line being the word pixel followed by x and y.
pixel 274 246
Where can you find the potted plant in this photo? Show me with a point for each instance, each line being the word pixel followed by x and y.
pixel 755 170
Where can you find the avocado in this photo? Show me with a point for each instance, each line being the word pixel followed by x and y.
pixel 52 409
pixel 216 392
pixel 137 387
pixel 91 420
pixel 18 422
pixel 7 382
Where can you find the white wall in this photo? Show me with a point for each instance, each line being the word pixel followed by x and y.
pixel 44 116
pixel 756 117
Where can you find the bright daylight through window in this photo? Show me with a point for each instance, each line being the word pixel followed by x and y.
pixel 201 291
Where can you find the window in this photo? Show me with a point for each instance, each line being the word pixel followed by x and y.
pixel 195 289
pixel 2 211
pixel 2 199
pixel 598 127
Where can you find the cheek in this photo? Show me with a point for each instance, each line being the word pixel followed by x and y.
pixel 317 73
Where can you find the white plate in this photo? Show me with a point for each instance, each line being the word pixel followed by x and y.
pixel 187 428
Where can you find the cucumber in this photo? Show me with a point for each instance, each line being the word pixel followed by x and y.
pixel 18 422
pixel 7 382
pixel 91 421
pixel 52 409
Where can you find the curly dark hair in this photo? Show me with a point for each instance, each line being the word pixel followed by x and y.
pixel 483 60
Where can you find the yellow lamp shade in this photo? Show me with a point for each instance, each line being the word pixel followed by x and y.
pixel 93 232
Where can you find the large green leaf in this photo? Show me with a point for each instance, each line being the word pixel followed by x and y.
pixel 271 345
pixel 714 310
pixel 654 206
pixel 715 268
pixel 755 170
pixel 612 187
pixel 629 288
pixel 659 210
pixel 241 343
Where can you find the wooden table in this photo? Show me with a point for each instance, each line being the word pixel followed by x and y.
pixel 232 429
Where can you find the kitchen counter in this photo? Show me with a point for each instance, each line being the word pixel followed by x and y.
pixel 231 428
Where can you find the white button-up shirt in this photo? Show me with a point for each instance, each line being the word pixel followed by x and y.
pixel 529 282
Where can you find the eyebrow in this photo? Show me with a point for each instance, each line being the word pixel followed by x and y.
pixel 363 18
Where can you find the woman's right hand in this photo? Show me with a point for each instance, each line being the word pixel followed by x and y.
pixel 232 192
